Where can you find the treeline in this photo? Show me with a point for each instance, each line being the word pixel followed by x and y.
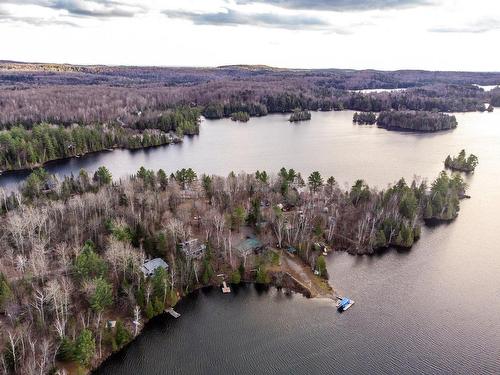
pixel 300 115
pixel 347 79
pixel 364 118
pixel 182 120
pixel 462 162
pixel 240 116
pixel 495 97
pixel 220 110
pixel 416 121
pixel 21 148
pixel 443 202
pixel 139 97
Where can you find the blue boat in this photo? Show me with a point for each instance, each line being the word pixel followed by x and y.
pixel 344 303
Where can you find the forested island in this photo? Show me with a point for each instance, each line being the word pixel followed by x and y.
pixel 137 107
pixel 299 115
pixel 416 121
pixel 364 118
pixel 462 162
pixel 240 116
pixel 72 277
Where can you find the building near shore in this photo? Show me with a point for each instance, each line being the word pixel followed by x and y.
pixel 149 267
pixel 193 249
pixel 249 246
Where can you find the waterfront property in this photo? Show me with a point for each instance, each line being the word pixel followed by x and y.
pixel 149 267
pixel 192 249
pixel 249 245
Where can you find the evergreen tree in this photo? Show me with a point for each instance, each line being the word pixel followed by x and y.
pixel 321 266
pixel 88 263
pixel 122 334
pixel 102 176
pixel 102 297
pixel 85 347
pixel 5 292
pixel 315 181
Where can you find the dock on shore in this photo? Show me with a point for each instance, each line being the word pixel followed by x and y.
pixel 172 312
pixel 225 288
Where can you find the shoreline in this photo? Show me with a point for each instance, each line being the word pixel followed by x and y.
pixel 111 149
pixel 180 140
pixel 294 286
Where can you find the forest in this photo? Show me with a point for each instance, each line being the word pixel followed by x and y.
pixel 364 118
pixel 132 96
pixel 299 115
pixel 416 121
pixel 240 116
pixel 73 249
pixel 22 148
pixel 137 106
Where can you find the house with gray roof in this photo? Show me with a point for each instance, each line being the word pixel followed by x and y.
pixel 149 267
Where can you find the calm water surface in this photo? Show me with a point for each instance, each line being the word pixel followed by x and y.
pixel 432 310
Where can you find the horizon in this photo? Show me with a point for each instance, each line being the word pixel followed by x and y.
pixel 387 35
pixel 263 66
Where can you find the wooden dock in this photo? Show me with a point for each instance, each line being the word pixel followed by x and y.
pixel 172 312
pixel 225 288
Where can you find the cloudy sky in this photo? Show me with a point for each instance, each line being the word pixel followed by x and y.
pixel 379 34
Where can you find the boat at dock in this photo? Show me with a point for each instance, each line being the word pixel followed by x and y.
pixel 344 303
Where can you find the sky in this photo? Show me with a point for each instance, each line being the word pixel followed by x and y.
pixel 357 34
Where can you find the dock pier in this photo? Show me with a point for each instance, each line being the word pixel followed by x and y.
pixel 172 312
pixel 225 288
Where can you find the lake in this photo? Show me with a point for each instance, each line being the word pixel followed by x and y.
pixel 434 309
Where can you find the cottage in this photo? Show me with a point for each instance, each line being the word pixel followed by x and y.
pixel 192 249
pixel 149 267
pixel 248 246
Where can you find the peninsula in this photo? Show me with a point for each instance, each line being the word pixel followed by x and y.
pixel 96 259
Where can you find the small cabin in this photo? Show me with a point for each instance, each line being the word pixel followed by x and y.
pixel 249 245
pixel 149 267
pixel 192 249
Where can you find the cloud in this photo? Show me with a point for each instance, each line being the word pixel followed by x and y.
pixel 85 8
pixel 477 27
pixel 340 5
pixel 96 8
pixel 6 16
pixel 231 17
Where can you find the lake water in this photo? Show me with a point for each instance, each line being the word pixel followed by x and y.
pixel 432 310
pixel 372 91
pixel 488 87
